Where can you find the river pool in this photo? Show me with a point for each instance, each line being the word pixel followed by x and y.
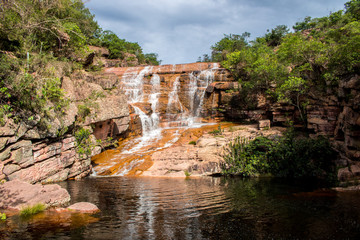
pixel 200 208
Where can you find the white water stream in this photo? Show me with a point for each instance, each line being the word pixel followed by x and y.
pixel 133 85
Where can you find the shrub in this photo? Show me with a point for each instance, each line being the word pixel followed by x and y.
pixel 246 158
pixel 84 144
pixel 288 156
pixel 192 143
pixel 83 112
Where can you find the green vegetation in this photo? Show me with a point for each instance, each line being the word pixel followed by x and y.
pixel 120 48
pixel 288 156
pixel 187 173
pixel 107 143
pixel 43 41
pixel 2 216
pixel 32 210
pixel 288 66
pixel 192 142
pixel 30 87
pixel 84 144
pixel 217 131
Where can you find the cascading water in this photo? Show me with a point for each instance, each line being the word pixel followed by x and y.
pixel 197 86
pixel 149 124
pixel 144 93
pixel 208 76
pixel 154 99
pixel 174 104
pixel 133 85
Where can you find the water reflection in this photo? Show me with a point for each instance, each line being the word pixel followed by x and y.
pixel 154 208
pixel 209 208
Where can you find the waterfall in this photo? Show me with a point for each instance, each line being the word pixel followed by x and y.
pixel 154 99
pixel 147 94
pixel 174 97
pixel 209 76
pixel 197 86
pixel 133 84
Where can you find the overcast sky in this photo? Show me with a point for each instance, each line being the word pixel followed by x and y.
pixel 182 30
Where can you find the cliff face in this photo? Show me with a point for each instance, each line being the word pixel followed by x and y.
pixel 174 92
pixel 32 153
pixel 137 100
pixel 334 113
pixel 205 90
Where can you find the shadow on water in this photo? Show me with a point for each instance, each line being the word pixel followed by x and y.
pixel 204 208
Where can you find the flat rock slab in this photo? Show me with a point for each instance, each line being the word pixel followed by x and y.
pixel 84 207
pixel 17 194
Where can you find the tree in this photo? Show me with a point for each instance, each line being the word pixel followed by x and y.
pixel 228 44
pixel 291 92
pixel 353 8
pixel 274 37
pixel 304 25
pixel 34 26
pixel 152 59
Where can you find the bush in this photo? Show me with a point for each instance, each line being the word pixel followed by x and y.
pixel 246 158
pixel 84 144
pixel 187 173
pixel 30 87
pixel 288 156
pixel 83 112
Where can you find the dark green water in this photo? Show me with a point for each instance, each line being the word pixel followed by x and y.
pixel 204 208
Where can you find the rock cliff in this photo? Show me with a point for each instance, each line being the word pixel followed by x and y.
pixel 177 93
pixel 126 101
pixel 34 153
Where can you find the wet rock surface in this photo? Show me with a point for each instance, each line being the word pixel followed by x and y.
pixel 204 158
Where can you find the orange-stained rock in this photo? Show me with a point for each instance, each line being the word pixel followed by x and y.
pixel 203 158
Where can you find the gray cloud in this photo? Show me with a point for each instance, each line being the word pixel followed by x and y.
pixel 182 30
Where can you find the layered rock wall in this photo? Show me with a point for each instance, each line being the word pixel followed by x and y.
pixel 32 153
pixel 181 87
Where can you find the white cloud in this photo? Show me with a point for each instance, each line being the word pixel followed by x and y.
pixel 182 30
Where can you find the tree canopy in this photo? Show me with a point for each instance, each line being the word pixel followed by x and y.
pixel 42 41
pixel 316 55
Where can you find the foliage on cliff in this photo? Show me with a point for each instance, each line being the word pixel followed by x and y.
pixel 118 47
pixel 41 42
pixel 287 65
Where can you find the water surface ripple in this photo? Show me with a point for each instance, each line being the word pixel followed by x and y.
pixel 202 208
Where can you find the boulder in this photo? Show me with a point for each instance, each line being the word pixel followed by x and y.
pixel 111 107
pixel 84 207
pixel 104 52
pixel 264 124
pixel 17 194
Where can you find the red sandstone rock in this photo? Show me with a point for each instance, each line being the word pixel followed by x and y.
pixel 202 159
pixel 264 124
pixel 84 207
pixel 100 50
pixel 17 194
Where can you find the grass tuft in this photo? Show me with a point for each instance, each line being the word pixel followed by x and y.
pixel 32 210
